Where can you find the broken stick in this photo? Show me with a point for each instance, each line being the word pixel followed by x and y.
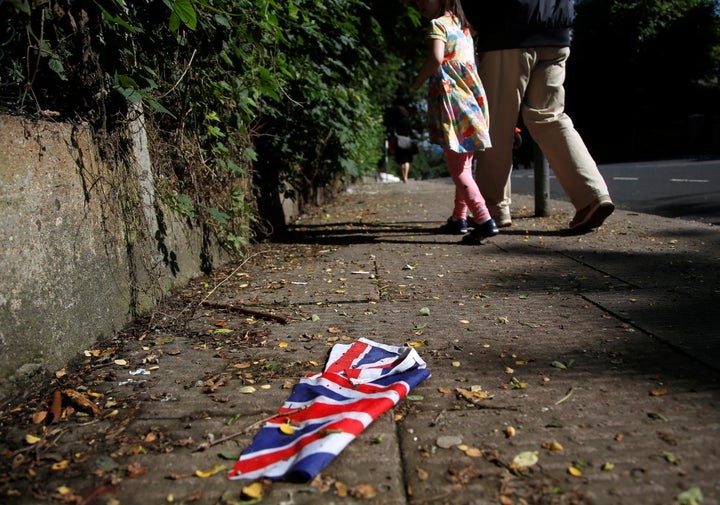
pixel 245 310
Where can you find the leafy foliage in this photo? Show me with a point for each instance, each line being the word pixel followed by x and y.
pixel 290 91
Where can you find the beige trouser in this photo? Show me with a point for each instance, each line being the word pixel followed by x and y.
pixel 531 81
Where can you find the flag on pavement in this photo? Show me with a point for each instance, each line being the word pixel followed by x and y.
pixel 326 411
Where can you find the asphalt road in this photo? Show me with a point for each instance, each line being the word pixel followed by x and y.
pixel 686 189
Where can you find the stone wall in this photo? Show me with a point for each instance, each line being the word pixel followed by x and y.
pixel 85 246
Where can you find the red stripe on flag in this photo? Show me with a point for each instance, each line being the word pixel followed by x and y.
pixel 351 426
pixel 344 362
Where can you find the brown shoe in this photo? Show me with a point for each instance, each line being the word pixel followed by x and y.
pixel 593 215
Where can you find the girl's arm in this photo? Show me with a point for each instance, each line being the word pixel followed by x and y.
pixel 432 63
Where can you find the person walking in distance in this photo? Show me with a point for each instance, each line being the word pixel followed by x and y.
pixel 403 143
pixel 522 50
pixel 457 111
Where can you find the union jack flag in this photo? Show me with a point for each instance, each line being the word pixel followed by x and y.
pixel 327 411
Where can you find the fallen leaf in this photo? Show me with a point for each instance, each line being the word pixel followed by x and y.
pixel 254 491
pixel 575 472
pixel 82 403
pixel 64 490
pixel 135 470
pixel 692 496
pixel 473 452
pixel 363 491
pixel 525 459
pixel 39 417
pixel 553 446
pixel 246 390
pixel 32 439
pixel 658 392
pixel 607 467
pixel 322 482
pixel 658 416
pixel 209 473
pixel 472 396
pixel 419 343
pixel 509 432
pixel 422 474
pixel 670 458
pixel 286 429
pixel 424 311
pixel 60 465
pixel 341 489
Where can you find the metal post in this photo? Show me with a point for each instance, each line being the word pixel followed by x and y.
pixel 542 182
pixel 387 155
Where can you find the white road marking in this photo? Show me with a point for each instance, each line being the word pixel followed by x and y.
pixel 626 178
pixel 689 180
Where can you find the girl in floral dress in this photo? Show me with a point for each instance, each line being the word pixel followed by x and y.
pixel 457 111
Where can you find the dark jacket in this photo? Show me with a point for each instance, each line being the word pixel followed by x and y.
pixel 507 24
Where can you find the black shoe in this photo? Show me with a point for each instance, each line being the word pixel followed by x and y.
pixel 485 230
pixel 454 227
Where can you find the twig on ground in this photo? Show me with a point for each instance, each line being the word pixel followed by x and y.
pixel 251 312
pixel 207 445
pixel 220 283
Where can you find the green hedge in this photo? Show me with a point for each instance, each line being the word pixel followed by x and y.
pixel 245 100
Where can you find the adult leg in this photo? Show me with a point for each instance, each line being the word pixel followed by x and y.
pixel 504 75
pixel 405 169
pixel 544 115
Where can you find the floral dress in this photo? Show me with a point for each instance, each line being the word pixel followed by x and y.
pixel 457 106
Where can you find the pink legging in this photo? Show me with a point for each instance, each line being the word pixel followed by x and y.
pixel 467 193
